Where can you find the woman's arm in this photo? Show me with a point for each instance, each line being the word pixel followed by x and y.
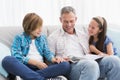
pixel 38 64
pixel 47 53
pixel 16 50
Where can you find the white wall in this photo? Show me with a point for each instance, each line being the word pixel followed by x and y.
pixel 12 12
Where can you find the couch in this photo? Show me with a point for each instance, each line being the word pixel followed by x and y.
pixel 7 34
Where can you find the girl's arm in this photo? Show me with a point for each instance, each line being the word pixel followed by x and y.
pixel 110 49
pixel 96 51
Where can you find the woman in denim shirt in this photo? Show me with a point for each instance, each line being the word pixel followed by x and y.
pixel 28 52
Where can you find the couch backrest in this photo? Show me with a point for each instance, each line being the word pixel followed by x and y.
pixel 8 33
pixel 114 33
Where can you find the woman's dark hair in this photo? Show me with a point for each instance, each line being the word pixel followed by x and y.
pixel 101 35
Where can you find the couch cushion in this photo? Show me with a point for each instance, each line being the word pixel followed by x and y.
pixel 4 51
pixel 7 34
pixel 53 28
pixel 114 35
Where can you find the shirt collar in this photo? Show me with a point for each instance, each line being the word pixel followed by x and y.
pixel 63 32
pixel 29 38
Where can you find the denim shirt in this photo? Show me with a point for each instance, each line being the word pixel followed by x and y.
pixel 21 44
pixel 106 42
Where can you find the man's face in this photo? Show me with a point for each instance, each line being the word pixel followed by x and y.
pixel 68 22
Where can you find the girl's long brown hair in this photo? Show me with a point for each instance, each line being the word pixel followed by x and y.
pixel 101 35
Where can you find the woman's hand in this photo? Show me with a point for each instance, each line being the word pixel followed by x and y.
pixel 67 59
pixel 41 65
pixel 57 60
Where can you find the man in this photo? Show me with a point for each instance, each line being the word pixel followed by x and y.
pixel 68 41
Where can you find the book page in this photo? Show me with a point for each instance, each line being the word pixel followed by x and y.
pixel 74 59
pixel 92 56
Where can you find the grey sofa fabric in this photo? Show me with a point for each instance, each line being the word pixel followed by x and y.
pixel 2 78
pixel 8 33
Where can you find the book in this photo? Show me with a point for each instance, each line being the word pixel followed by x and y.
pixel 75 59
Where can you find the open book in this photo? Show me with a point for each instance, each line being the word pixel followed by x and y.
pixel 74 59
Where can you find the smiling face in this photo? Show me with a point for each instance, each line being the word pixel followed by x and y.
pixel 93 28
pixel 68 22
pixel 36 33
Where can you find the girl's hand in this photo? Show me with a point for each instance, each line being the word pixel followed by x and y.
pixel 102 54
pixel 41 65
